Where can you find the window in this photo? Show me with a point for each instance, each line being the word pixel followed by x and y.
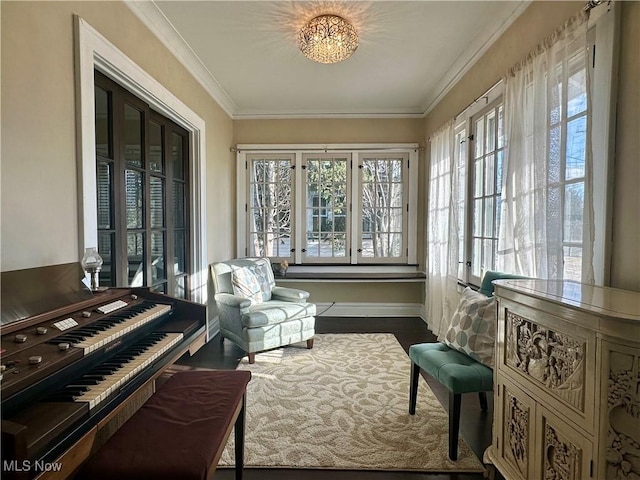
pixel 487 150
pixel 344 207
pixel 270 228
pixel 142 190
pixel 554 225
pixel 567 157
pixel 327 179
pixel 383 197
pixel 478 162
pixel 460 157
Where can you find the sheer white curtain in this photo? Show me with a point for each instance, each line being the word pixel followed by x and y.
pixel 442 232
pixel 546 226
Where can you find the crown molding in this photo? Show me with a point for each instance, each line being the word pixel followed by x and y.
pixel 465 61
pixel 161 27
pixel 320 115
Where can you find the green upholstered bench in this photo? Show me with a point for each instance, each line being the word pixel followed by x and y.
pixel 458 372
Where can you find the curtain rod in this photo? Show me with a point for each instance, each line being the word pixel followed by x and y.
pixel 591 4
pixel 484 96
pixel 419 148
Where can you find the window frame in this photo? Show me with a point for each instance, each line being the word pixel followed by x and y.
pixel 121 272
pixel 471 157
pixel 95 52
pixel 465 122
pixel 248 208
pixel 298 152
pixel 303 227
pixel 404 249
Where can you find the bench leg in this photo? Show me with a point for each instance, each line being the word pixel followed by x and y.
pixel 252 357
pixel 413 389
pixel 310 343
pixel 239 439
pixel 483 400
pixel 454 424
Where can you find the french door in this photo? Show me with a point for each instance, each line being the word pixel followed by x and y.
pixel 142 191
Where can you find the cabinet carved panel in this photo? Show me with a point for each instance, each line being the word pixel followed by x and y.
pixel 550 358
pixel 567 405
pixel 623 407
pixel 516 434
pixel 562 459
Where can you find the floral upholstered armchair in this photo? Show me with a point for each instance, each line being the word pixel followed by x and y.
pixel 254 313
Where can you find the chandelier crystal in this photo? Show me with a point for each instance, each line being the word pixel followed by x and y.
pixel 328 39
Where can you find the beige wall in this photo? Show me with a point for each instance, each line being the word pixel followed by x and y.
pixel 39 187
pixel 536 23
pixel 361 292
pixel 349 130
pixel 625 261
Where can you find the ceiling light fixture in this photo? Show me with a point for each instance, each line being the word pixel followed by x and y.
pixel 328 39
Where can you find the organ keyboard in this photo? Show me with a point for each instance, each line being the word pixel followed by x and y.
pixel 69 373
pixel 103 332
pixel 102 381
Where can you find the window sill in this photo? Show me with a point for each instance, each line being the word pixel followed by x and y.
pixel 354 273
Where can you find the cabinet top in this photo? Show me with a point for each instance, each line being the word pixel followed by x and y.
pixel 610 302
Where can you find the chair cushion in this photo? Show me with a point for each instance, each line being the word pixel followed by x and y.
pixel 251 282
pixel 455 370
pixel 473 327
pixel 272 312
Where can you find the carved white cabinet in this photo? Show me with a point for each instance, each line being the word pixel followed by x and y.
pixel 567 382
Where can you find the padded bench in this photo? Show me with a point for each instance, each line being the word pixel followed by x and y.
pixel 180 432
pixel 456 371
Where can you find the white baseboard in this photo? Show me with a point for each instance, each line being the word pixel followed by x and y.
pixel 350 310
pixel 370 310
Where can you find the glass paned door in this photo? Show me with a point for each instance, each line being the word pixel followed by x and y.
pixel 141 193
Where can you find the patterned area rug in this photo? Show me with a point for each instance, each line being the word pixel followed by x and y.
pixel 344 405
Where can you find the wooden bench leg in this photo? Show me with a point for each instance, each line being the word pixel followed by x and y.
pixel 483 400
pixel 239 438
pixel 454 424
pixel 252 357
pixel 310 343
pixel 413 389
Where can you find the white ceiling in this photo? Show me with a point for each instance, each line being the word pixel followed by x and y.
pixel 410 53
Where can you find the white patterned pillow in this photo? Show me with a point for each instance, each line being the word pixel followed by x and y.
pixel 263 273
pixel 252 283
pixel 473 327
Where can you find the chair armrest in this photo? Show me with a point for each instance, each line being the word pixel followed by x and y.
pixel 232 300
pixel 289 294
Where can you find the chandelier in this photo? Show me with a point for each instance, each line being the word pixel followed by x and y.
pixel 328 39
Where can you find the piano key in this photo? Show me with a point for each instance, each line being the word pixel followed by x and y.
pixel 157 345
pixel 93 336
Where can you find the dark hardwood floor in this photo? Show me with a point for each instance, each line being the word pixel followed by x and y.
pixel 475 425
